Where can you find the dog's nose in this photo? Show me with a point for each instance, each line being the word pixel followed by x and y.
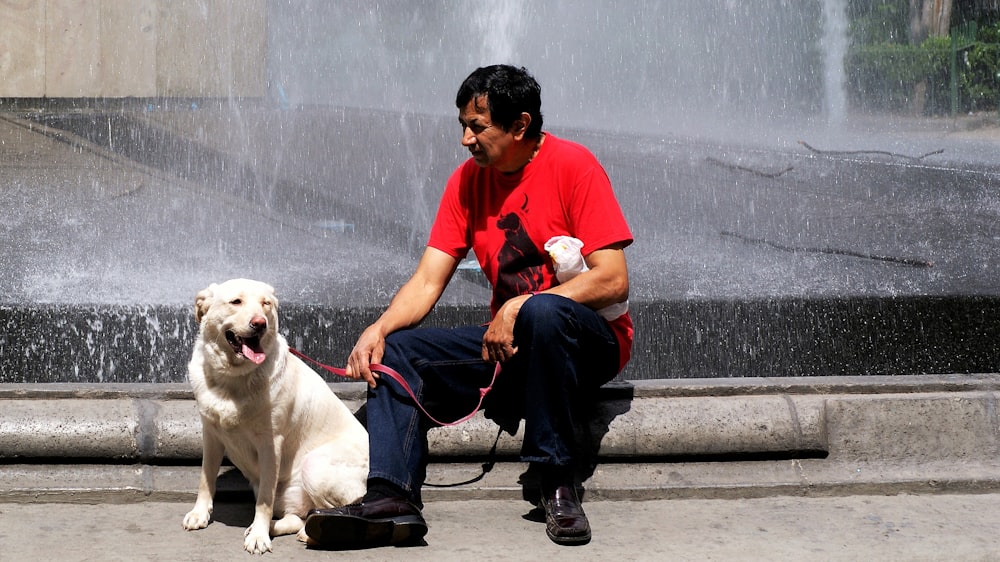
pixel 258 323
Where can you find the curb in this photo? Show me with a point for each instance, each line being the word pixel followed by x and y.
pixel 104 483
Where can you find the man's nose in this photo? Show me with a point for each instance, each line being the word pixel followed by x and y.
pixel 468 137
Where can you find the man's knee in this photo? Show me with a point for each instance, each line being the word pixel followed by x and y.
pixel 397 347
pixel 545 307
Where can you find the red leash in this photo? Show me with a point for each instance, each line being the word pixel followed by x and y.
pixel 391 373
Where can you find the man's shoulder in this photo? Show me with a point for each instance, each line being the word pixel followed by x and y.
pixel 567 147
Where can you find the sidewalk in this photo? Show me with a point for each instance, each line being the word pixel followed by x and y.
pixel 875 527
pixel 831 468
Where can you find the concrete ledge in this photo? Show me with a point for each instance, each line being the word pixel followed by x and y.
pixel 157 425
pixel 855 418
pixel 653 439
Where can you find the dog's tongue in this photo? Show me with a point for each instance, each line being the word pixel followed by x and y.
pixel 256 357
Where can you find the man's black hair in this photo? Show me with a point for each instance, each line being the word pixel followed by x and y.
pixel 509 92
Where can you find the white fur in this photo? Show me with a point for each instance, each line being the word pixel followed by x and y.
pixel 296 443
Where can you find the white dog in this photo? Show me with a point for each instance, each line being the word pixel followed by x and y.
pixel 278 421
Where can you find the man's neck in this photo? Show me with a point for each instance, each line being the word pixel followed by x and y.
pixel 524 151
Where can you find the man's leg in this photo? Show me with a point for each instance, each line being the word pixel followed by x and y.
pixel 444 369
pixel 569 351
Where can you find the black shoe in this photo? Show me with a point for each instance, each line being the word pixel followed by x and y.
pixel 565 521
pixel 381 522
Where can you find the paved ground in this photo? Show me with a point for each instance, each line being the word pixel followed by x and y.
pixel 904 527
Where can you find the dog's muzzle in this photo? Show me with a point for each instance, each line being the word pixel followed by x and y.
pixel 247 347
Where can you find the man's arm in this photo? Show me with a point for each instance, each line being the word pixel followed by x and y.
pixel 408 307
pixel 604 284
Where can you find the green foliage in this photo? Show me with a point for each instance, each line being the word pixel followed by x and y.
pixel 980 71
pixel 875 22
pixel 884 75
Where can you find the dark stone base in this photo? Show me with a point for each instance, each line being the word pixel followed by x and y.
pixel 677 339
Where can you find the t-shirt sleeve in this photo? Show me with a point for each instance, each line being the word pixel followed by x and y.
pixel 450 230
pixel 595 215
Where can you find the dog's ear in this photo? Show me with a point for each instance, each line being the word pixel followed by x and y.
pixel 202 301
pixel 269 294
pixel 274 299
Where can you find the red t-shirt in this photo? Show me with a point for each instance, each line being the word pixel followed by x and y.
pixel 507 218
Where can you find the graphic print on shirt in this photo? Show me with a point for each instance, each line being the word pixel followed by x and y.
pixel 520 266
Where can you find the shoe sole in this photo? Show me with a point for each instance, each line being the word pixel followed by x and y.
pixel 568 541
pixel 349 531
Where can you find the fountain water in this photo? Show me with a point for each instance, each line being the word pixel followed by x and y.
pixel 503 27
pixel 651 65
pixel 753 255
pixel 835 43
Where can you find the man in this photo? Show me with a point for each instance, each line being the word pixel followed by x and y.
pixel 520 188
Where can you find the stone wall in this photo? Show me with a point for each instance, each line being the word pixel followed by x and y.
pixel 132 48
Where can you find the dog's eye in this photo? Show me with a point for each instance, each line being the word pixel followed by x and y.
pixel 236 302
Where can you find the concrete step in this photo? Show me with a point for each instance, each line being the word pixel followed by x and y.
pixel 114 483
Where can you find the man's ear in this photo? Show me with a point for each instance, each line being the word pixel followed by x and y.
pixel 520 126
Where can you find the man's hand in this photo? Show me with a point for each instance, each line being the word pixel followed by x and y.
pixel 368 350
pixel 498 343
pixel 408 307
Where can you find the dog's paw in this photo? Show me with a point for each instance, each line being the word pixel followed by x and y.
pixel 196 519
pixel 257 541
pixel 303 537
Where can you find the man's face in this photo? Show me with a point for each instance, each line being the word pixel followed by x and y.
pixel 488 143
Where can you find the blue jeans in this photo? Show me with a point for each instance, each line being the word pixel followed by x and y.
pixel 566 351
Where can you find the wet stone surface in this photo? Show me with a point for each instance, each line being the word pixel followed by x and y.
pixel 844 255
